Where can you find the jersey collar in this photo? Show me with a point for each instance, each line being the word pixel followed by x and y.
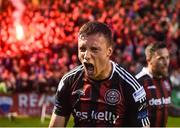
pixel 146 71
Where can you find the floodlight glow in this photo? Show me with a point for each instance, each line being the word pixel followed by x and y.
pixel 19 32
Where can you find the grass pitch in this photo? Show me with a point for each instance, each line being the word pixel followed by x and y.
pixel 35 122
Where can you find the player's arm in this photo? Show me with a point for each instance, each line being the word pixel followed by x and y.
pixel 58 121
pixel 142 102
pixel 139 109
pixel 137 113
pixel 62 107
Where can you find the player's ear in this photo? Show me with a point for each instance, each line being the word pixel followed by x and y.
pixel 110 51
pixel 149 61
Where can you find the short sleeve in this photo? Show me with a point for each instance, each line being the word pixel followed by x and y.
pixel 62 102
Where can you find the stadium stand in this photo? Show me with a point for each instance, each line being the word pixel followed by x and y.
pixel 46 49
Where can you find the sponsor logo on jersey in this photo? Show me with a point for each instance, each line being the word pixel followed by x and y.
pixel 160 101
pixel 94 115
pixel 112 97
pixel 139 94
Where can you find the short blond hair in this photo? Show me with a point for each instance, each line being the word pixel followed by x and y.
pixel 152 48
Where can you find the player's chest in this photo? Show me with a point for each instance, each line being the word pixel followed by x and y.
pixel 108 94
pixel 101 101
pixel 158 93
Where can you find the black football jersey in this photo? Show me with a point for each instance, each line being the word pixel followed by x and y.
pixel 118 100
pixel 158 93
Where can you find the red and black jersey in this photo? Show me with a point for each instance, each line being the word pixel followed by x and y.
pixel 116 101
pixel 158 93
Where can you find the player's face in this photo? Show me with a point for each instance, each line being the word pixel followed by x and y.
pixel 160 62
pixel 94 53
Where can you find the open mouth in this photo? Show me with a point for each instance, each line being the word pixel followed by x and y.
pixel 89 68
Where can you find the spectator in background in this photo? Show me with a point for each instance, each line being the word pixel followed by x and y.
pixel 175 78
pixel 99 92
pixel 155 79
pixel 3 87
pixel 50 26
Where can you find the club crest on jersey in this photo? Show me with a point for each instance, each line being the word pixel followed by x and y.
pixel 112 96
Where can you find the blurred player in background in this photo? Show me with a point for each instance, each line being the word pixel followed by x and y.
pixel 156 82
pixel 99 92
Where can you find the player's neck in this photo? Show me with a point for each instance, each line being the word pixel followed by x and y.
pixel 106 73
pixel 154 74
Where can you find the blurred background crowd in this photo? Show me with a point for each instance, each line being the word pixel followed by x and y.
pixel 38 38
